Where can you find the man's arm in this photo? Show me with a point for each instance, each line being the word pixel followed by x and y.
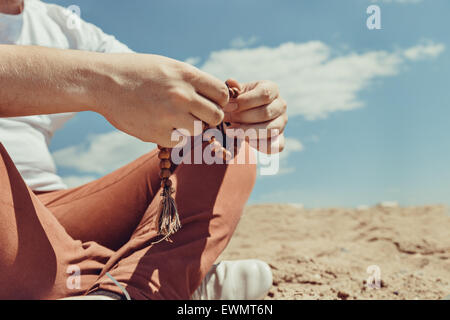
pixel 146 96
pixel 38 80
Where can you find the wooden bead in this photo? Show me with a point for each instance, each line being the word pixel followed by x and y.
pixel 164 154
pixel 164 173
pixel 165 164
pixel 166 183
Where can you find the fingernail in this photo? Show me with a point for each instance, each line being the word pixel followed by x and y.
pixel 230 107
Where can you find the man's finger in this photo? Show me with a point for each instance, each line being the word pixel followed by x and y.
pixel 210 87
pixel 261 114
pixel 264 129
pixel 263 93
pixel 206 110
pixel 186 125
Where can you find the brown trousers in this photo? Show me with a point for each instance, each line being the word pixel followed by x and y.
pixel 61 243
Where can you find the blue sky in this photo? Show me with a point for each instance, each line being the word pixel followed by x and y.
pixel 369 115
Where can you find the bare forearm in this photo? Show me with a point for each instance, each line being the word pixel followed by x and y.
pixel 37 80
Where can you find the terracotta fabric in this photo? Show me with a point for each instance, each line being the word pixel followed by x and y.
pixel 61 243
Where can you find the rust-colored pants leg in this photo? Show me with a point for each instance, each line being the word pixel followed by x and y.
pixel 119 211
pixel 109 209
pixel 37 256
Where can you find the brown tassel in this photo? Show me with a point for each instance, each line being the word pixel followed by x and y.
pixel 168 220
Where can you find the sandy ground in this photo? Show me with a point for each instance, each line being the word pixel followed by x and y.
pixel 325 253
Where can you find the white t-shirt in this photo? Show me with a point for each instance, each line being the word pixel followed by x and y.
pixel 27 138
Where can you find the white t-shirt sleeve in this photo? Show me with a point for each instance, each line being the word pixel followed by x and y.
pixel 85 35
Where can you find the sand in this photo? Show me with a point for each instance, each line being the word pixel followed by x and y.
pixel 325 253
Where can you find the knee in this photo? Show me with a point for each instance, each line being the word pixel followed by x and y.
pixel 244 166
pixel 239 181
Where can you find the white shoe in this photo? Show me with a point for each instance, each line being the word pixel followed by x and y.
pixel 235 280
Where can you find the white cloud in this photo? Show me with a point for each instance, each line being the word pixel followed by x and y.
pixel 102 153
pixel 240 42
pixel 291 145
pixel 313 80
pixel 424 51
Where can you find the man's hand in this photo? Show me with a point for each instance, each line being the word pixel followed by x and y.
pixel 153 95
pixel 259 106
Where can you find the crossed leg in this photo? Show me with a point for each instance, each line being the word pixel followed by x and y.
pixel 35 250
pixel 113 222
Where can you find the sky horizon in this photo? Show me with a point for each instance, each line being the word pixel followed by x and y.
pixel 368 115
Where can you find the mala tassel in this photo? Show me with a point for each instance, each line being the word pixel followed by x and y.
pixel 168 220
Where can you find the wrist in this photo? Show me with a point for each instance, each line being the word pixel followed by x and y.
pixel 115 77
pixel 98 81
